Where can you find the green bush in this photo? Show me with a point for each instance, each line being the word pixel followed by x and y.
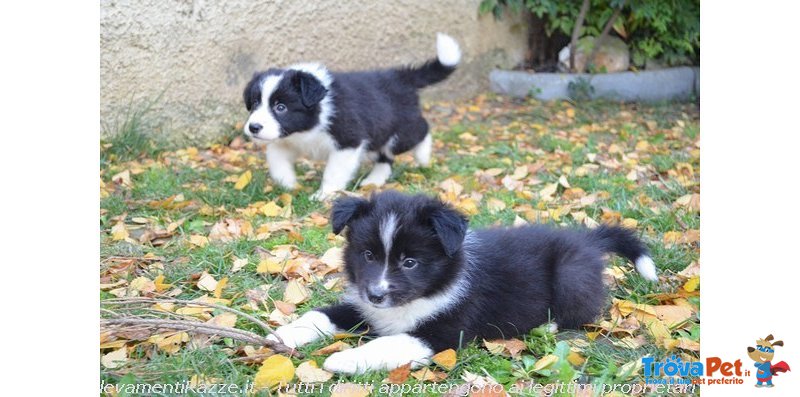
pixel 664 30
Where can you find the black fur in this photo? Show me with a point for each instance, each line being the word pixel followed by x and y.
pixel 369 106
pixel 518 277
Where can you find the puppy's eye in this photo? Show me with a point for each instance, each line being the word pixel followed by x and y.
pixel 279 108
pixel 369 256
pixel 410 263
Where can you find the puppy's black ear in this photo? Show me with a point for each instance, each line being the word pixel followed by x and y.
pixel 345 210
pixel 451 227
pixel 777 343
pixel 252 92
pixel 311 89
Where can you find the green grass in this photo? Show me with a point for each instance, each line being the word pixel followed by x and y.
pixel 515 133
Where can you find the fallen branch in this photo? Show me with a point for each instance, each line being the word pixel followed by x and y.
pixel 136 300
pixel 203 328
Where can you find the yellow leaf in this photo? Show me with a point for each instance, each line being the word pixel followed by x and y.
pixel 295 292
pixel 629 370
pixel 238 264
pixel 275 370
pixel 223 320
pixel 198 240
pixel 570 112
pixel 562 180
pixel 332 348
pixel 575 359
pixel 495 205
pixel 220 285
pixel 170 344
pixel 545 362
pixel 119 232
pixel 429 375
pixel 243 180
pixel 160 284
pixel 672 315
pixel 271 209
pixel 658 330
pixel 308 372
pixel 115 359
pixel 269 265
pixel 692 284
pixel 333 258
pixel 494 347
pixel 445 359
pixel 468 205
pixel 207 282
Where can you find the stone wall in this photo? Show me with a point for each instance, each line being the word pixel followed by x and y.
pixel 192 58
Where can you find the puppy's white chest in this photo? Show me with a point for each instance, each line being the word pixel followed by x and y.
pixel 313 145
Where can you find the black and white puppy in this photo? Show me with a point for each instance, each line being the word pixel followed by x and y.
pixel 305 110
pixel 422 282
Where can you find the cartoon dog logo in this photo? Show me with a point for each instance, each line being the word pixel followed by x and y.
pixel 762 354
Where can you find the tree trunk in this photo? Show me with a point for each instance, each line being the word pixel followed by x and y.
pixel 599 40
pixel 576 30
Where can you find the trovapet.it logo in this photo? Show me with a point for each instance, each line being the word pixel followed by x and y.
pixel 716 371
pixel 673 370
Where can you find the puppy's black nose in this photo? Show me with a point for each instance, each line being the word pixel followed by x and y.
pixel 376 294
pixel 255 127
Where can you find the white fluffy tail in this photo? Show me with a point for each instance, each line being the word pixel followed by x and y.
pixel 447 50
pixel 647 268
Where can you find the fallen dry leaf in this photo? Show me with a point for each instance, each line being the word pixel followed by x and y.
pixel 115 359
pixel 275 370
pixel 308 372
pixel 545 362
pixel 207 282
pixel 198 240
pixel 332 348
pixel 400 374
pixel 445 359
pixel 243 180
pixel 428 375
pixel 295 292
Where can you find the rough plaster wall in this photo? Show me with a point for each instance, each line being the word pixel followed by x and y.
pixel 195 56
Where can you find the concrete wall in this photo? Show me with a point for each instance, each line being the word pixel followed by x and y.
pixel 195 56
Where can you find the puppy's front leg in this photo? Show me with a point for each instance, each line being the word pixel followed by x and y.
pixel 386 352
pixel 281 165
pixel 342 165
pixel 318 323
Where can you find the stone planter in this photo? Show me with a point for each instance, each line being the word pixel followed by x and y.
pixel 655 85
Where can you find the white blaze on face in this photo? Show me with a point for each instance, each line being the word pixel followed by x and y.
pixel 388 227
pixel 262 115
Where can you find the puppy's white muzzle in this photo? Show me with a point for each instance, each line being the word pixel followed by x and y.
pixel 261 125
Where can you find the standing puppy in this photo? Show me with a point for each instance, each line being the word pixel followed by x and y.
pixel 423 283
pixel 305 110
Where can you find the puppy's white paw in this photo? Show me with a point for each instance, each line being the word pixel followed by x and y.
pixel 289 342
pixel 378 176
pixel 308 328
pixel 346 362
pixel 286 183
pixel 321 195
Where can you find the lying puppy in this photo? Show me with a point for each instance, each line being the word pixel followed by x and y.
pixel 422 282
pixel 305 110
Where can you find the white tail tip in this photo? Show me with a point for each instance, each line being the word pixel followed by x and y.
pixel 447 50
pixel 647 268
